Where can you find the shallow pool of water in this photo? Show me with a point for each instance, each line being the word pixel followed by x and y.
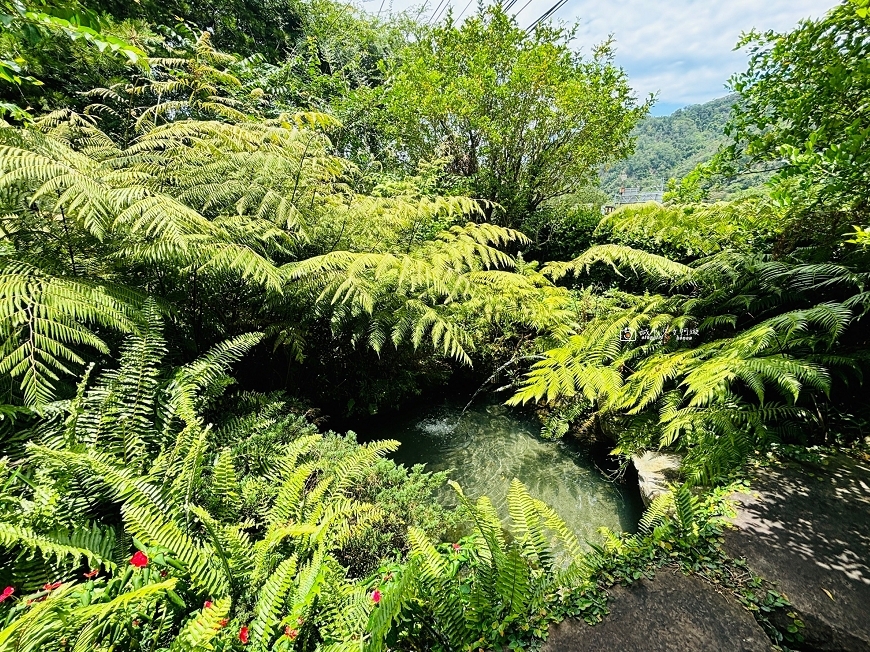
pixel 490 444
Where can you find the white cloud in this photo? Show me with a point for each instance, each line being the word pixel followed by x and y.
pixel 680 49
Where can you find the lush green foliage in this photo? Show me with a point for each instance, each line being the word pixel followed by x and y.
pixel 804 106
pixel 168 227
pixel 255 517
pixel 29 32
pixel 520 118
pixel 235 223
pixel 268 28
pixel 730 352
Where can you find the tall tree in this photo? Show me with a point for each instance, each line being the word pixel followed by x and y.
pixel 520 116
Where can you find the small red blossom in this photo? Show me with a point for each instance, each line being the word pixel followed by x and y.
pixel 163 573
pixel 243 635
pixel 139 560
pixel 92 574
pixel 52 587
pixel 207 604
pixel 7 593
pixel 457 547
pixel 135 623
pixel 291 633
pixel 223 622
pixel 376 596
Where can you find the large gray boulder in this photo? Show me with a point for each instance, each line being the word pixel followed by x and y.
pixel 807 530
pixel 672 613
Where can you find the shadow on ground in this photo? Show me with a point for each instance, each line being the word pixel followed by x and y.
pixel 807 530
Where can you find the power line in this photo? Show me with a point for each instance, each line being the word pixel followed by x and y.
pixel 422 9
pixel 446 7
pixel 524 6
pixel 434 12
pixel 552 10
pixel 549 13
pixel 464 10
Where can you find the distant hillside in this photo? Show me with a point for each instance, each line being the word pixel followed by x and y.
pixel 670 146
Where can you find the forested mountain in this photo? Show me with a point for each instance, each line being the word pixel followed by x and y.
pixel 215 227
pixel 671 146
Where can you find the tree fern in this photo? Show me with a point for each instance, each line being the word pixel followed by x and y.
pixel 44 319
pixel 697 389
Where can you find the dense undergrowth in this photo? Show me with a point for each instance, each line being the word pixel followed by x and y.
pixel 345 217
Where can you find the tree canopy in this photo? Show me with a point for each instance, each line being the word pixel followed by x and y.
pixel 520 118
pixel 804 104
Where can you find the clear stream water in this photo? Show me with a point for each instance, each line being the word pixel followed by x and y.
pixel 490 444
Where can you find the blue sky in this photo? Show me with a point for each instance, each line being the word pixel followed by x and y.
pixel 680 49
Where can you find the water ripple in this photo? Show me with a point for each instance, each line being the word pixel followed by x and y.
pixel 489 445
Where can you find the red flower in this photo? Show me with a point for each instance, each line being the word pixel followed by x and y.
pixel 52 587
pixel 223 622
pixel 376 596
pixel 243 635
pixel 207 604
pixel 139 560
pixel 92 574
pixel 456 546
pixel 291 633
pixel 7 593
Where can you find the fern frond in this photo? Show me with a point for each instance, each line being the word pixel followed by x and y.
pixel 197 634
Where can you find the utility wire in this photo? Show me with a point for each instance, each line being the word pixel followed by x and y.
pixel 552 10
pixel 464 10
pixel 429 22
pixel 523 7
pixel 422 9
pixel 443 12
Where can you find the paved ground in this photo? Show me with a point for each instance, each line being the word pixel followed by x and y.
pixel 672 613
pixel 807 530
